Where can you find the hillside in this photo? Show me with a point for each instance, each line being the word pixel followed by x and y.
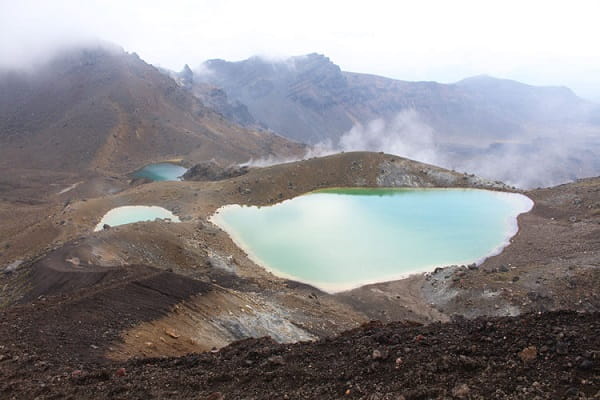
pixel 101 109
pixel 474 125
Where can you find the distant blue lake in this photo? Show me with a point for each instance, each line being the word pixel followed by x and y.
pixel 340 239
pixel 161 172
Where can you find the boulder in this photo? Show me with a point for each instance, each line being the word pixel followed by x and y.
pixel 528 354
pixel 12 267
pixel 461 391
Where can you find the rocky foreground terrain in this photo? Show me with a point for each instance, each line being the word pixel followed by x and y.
pixel 536 356
pixel 114 314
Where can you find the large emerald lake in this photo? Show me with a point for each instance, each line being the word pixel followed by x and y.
pixel 339 239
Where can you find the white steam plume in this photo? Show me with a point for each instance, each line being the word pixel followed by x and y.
pixel 406 135
pixel 535 162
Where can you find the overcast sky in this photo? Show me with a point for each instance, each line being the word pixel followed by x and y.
pixel 538 42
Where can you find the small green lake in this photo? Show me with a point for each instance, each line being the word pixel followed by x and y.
pixel 130 214
pixel 340 239
pixel 161 172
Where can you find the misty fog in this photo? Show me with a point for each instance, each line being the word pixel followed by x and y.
pixel 365 40
pixel 538 162
pixel 170 35
pixel 534 163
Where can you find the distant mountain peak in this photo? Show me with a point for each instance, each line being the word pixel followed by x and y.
pixel 314 61
pixel 499 87
pixel 186 77
pixel 487 80
pixel 313 57
pixel 186 69
pixel 298 63
pixel 478 78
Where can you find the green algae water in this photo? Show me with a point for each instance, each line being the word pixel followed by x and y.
pixel 339 239
pixel 161 172
pixel 130 214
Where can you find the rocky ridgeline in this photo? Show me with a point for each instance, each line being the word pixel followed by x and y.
pixel 404 173
pixel 211 171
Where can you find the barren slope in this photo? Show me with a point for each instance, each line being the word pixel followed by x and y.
pixel 103 110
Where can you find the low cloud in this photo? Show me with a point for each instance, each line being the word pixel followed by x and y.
pixel 539 163
pixel 406 135
pixel 533 163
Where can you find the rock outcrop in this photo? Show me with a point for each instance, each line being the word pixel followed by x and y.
pixel 211 171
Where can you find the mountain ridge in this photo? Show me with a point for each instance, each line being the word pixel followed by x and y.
pixel 471 125
pixel 304 74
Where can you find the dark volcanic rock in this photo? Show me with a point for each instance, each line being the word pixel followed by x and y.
pixel 211 171
pixel 471 359
pixel 187 77
pixel 216 99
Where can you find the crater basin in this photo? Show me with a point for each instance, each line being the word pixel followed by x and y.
pixel 340 239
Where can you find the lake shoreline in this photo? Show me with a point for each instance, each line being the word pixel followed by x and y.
pixel 510 230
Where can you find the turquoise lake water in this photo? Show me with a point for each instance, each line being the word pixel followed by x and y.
pixel 130 214
pixel 161 172
pixel 340 239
